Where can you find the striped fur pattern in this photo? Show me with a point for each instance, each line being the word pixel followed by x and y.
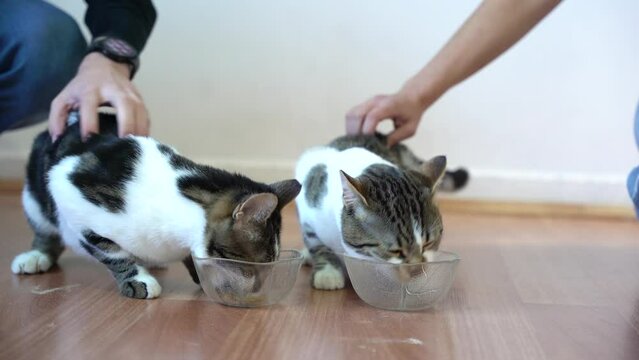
pixel 364 199
pixel 133 202
pixel 401 155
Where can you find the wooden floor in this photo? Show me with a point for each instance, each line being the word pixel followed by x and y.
pixel 527 288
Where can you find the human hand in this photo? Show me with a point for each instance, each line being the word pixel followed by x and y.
pixel 100 80
pixel 404 108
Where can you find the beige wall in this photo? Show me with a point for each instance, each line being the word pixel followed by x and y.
pixel 248 85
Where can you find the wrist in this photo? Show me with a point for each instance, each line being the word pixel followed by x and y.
pixel 96 59
pixel 117 50
pixel 423 89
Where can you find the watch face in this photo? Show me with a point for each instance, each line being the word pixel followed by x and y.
pixel 120 48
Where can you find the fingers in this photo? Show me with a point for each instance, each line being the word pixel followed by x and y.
pixel 402 108
pixel 353 122
pixel 89 115
pixel 401 133
pixel 374 117
pixel 126 116
pixel 355 117
pixel 131 113
pixel 143 125
pixel 99 80
pixel 57 116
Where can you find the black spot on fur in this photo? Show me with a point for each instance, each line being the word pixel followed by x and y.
pixel 103 173
pixel 40 161
pixel 310 234
pixel 214 180
pixel 166 150
pixel 45 154
pixel 176 161
pixel 315 187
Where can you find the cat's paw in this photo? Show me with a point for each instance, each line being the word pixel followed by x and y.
pixel 31 262
pixel 328 278
pixel 141 286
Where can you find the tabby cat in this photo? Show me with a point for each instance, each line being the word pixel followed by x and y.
pixel 367 200
pixel 130 202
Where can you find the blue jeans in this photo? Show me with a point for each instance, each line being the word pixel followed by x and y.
pixel 633 178
pixel 41 48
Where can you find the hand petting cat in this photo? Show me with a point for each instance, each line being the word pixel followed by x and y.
pixel 403 107
pixel 100 80
pixel 483 37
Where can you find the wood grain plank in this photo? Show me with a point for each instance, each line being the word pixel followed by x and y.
pixel 487 317
pixel 583 332
pixel 527 288
pixel 476 206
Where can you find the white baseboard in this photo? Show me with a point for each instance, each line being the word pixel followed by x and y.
pixel 542 187
pixel 484 184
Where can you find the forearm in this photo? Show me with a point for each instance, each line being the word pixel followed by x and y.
pixel 492 29
pixel 129 20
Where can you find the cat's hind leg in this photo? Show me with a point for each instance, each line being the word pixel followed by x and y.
pixel 329 272
pixel 133 280
pixel 47 244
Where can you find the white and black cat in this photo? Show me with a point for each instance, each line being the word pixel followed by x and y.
pixel 130 202
pixel 365 199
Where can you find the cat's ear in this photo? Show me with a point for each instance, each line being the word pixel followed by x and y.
pixel 286 191
pixel 257 208
pixel 434 169
pixel 351 190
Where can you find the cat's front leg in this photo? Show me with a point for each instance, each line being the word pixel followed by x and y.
pixel 133 280
pixel 328 270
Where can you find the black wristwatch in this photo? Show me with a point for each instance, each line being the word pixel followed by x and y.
pixel 117 50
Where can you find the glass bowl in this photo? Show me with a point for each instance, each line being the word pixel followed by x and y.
pixel 248 284
pixel 403 287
